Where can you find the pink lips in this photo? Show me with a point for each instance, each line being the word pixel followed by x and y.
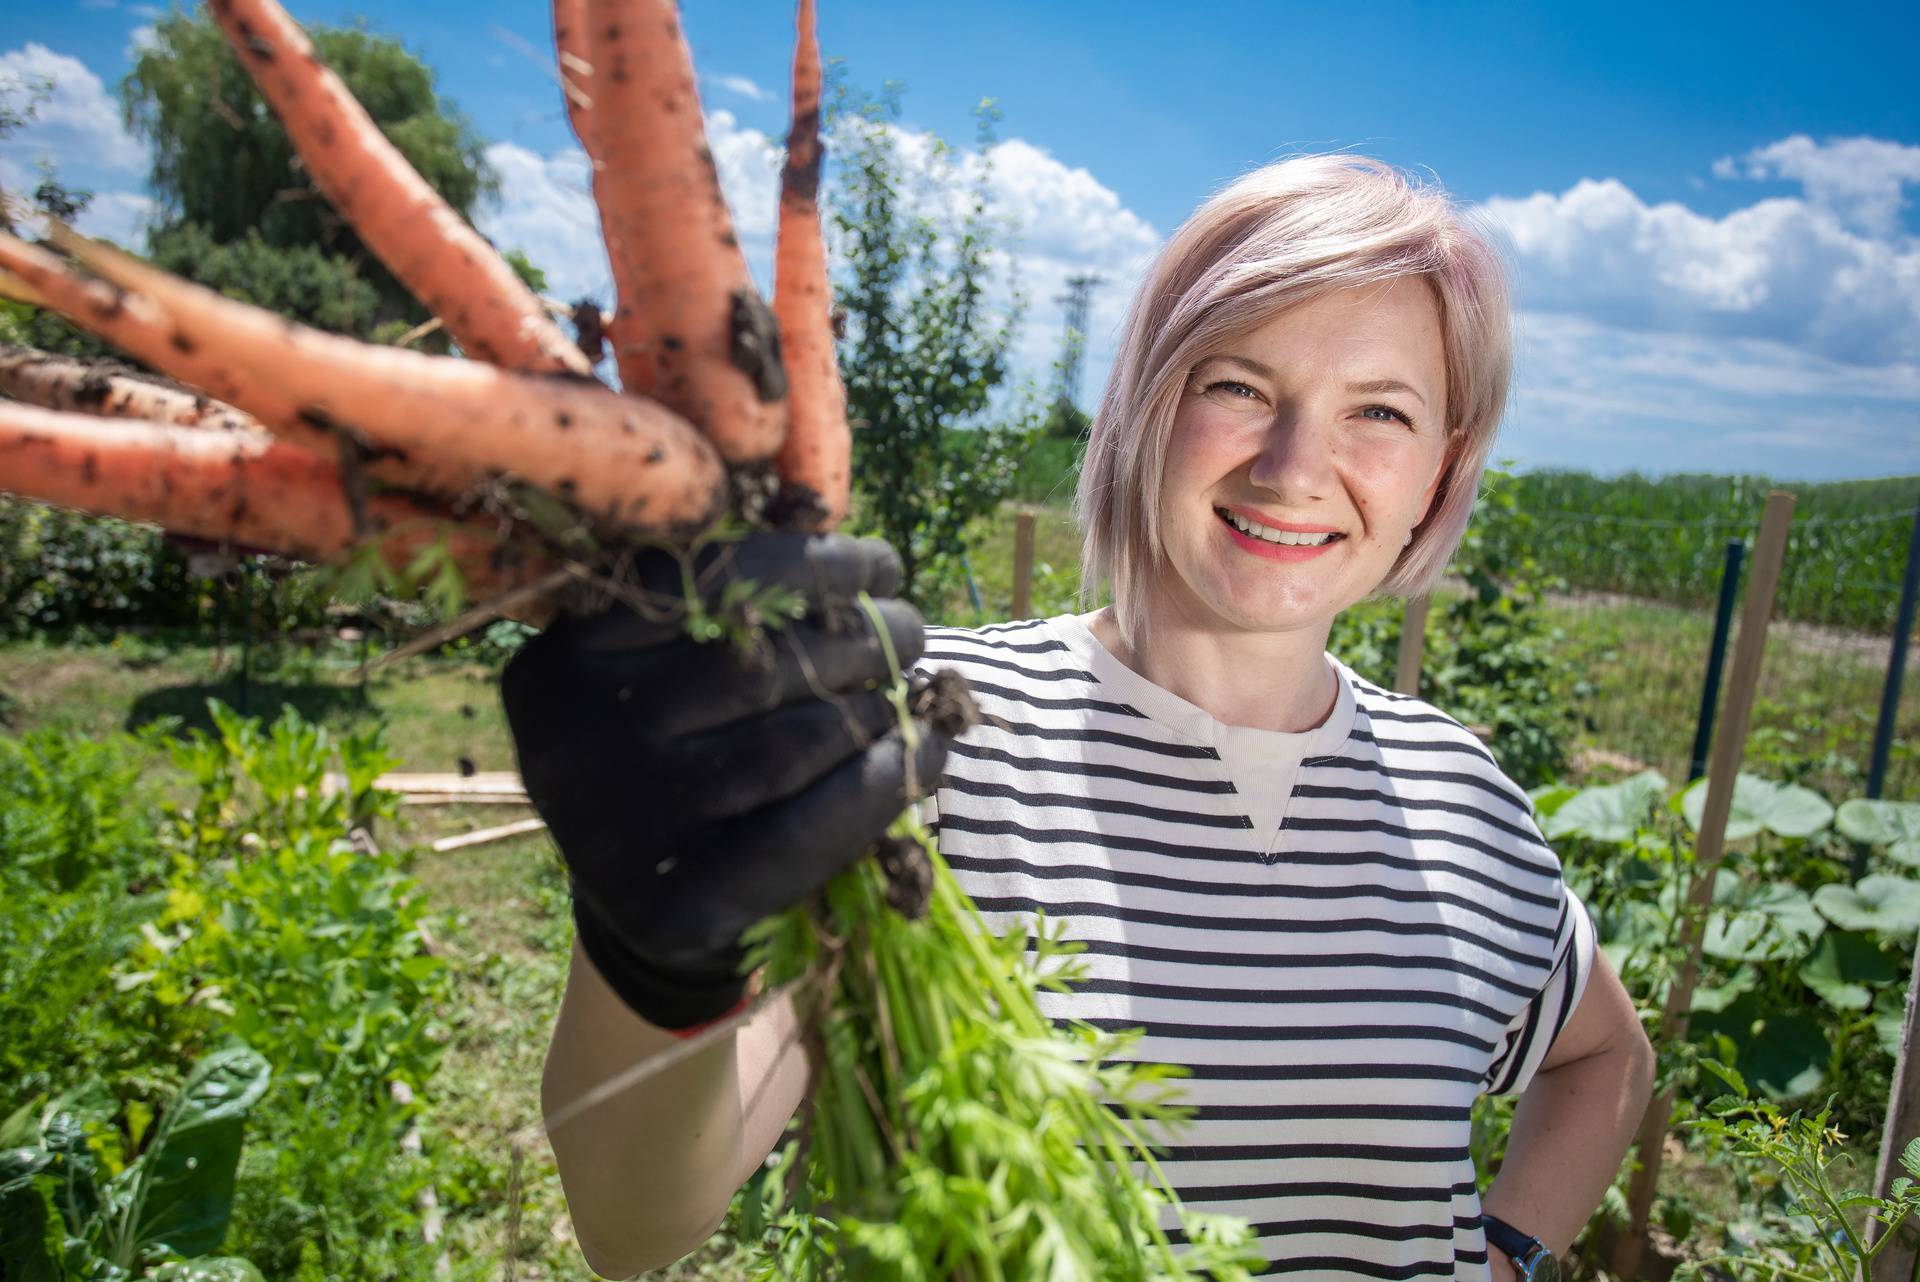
pixel 1279 551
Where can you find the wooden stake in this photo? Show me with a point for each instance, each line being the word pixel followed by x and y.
pixel 1897 1258
pixel 1413 644
pixel 462 840
pixel 1769 555
pixel 1022 564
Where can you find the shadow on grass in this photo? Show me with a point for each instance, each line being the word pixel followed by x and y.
pixel 317 701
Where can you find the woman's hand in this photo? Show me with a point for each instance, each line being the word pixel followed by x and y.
pixel 694 789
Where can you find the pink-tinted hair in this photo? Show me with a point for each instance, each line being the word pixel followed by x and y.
pixel 1282 235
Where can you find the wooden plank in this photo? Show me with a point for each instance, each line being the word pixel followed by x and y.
pixel 461 841
pixel 485 783
pixel 464 799
pixel 1022 564
pixel 1770 552
pixel 1413 644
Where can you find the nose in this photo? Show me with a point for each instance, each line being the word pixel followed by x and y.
pixel 1296 457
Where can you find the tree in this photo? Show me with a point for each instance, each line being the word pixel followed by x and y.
pixel 227 178
pixel 925 348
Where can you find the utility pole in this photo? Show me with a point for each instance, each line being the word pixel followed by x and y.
pixel 1079 294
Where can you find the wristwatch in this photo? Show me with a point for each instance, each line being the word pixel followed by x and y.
pixel 1531 1258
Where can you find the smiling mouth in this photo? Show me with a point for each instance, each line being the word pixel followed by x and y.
pixel 1285 538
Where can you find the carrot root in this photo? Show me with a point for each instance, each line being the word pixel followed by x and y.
pixel 448 265
pixel 99 388
pixel 227 487
pixel 576 73
pixel 690 329
pixel 624 461
pixel 816 460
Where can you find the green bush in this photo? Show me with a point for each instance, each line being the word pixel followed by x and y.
pixel 79 865
pixel 137 937
pixel 284 929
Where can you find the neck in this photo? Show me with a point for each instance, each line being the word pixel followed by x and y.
pixel 1263 680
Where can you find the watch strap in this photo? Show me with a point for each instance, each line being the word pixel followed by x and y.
pixel 1524 1249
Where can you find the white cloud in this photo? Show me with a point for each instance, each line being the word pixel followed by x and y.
pixel 77 118
pixel 139 40
pixel 546 207
pixel 122 217
pixel 749 165
pixel 742 86
pixel 546 210
pixel 1861 180
pixel 1594 395
pixel 1782 269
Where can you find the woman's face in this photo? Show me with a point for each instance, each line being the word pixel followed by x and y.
pixel 1326 426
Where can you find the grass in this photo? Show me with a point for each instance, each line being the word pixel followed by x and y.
pixel 504 927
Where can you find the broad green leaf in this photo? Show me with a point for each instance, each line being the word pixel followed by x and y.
pixel 90 1104
pixel 1787 1056
pixel 31 1234
pixel 1714 998
pixel 1613 812
pixel 1786 810
pixel 1772 921
pixel 1782 1054
pixel 1726 1073
pixel 1882 905
pixel 189 1169
pixel 1892 824
pixel 1910 1158
pixel 1842 965
pixel 22 1128
pixel 1549 797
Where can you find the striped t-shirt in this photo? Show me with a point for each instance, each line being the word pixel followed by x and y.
pixel 1347 935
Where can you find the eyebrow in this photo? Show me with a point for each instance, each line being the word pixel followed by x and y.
pixel 1373 387
pixel 1380 386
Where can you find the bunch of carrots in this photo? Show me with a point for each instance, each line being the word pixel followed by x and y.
pixel 515 463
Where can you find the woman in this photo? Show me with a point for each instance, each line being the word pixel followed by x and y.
pixel 1322 898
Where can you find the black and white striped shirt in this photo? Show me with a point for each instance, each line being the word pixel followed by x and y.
pixel 1347 935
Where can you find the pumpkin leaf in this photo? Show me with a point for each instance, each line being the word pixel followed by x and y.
pixel 1882 905
pixel 1841 967
pixel 1784 809
pixel 1611 812
pixel 1771 921
pixel 1892 824
pixel 1711 999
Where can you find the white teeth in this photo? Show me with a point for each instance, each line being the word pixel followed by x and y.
pixel 1287 537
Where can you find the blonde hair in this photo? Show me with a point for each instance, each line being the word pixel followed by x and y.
pixel 1281 236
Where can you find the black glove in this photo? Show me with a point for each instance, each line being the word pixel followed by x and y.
pixel 694 789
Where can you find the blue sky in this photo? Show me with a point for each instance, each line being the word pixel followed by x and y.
pixel 1708 208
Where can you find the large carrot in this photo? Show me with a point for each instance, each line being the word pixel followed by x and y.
pixel 432 250
pixel 576 74
pixel 690 329
pixel 228 487
pixel 94 387
pixel 622 460
pixel 815 460
pixel 135 325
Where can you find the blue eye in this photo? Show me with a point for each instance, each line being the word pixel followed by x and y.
pixel 1389 411
pixel 1249 393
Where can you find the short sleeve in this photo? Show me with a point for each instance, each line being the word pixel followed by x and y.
pixel 1533 1030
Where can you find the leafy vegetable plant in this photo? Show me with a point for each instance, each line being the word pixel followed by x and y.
pixel 1810 1224
pixel 70 1208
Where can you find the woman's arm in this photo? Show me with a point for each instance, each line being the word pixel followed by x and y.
pixel 649 1173
pixel 1575 1119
